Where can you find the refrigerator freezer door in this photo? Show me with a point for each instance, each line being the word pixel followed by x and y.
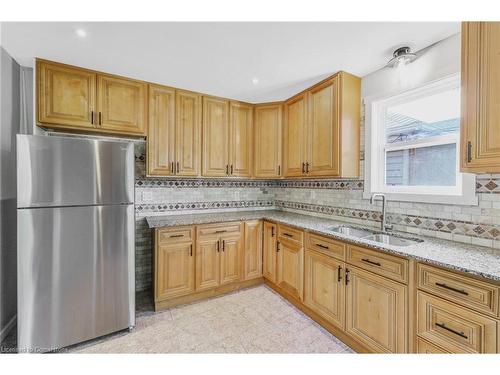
pixel 65 171
pixel 75 274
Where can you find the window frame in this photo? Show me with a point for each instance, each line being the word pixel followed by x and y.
pixel 462 193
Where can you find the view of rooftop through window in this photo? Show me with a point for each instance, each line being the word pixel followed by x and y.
pixel 421 140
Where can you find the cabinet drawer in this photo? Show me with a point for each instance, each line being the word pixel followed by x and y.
pixel 461 289
pixel 325 245
pixel 375 261
pixel 291 233
pixel 454 328
pixel 177 234
pixel 425 347
pixel 219 229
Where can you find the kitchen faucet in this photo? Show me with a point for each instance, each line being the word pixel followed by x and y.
pixel 383 224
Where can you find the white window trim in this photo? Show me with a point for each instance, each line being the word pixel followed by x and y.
pixel 462 194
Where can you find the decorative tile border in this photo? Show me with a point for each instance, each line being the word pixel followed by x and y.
pixel 203 183
pixel 334 184
pixel 186 206
pixel 465 228
pixel 488 185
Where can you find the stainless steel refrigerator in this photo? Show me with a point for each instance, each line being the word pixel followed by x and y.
pixel 75 218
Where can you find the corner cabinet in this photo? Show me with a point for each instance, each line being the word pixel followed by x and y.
pixel 253 250
pixel 72 98
pixel 322 129
pixel 480 97
pixel 267 140
pixel 174 132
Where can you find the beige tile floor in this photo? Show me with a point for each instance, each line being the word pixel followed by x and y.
pixel 254 320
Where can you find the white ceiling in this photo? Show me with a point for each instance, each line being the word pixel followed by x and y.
pixel 223 58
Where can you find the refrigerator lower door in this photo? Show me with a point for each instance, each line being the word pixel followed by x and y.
pixel 75 274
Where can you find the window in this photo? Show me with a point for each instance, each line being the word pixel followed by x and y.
pixel 413 145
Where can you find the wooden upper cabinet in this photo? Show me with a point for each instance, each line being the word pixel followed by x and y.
pixel 187 133
pixel 161 131
pixel 323 149
pixel 480 97
pixel 267 142
pixel 321 136
pixel 240 139
pixel 122 104
pixel 66 96
pixel 294 136
pixel 215 137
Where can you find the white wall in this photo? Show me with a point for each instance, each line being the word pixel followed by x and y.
pixel 434 62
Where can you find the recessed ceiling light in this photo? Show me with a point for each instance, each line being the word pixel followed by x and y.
pixel 255 80
pixel 401 56
pixel 81 33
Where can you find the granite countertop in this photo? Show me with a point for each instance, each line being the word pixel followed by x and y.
pixel 476 260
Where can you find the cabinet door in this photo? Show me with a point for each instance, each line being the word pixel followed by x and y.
pixel 294 137
pixel 207 263
pixel 122 105
pixel 161 131
pixel 269 249
pixel 174 270
pixel 323 149
pixel 376 311
pixel 253 250
pixel 240 140
pixel 291 267
pixel 230 259
pixel 215 137
pixel 188 133
pixel 480 97
pixel 66 95
pixel 267 160
pixel 324 287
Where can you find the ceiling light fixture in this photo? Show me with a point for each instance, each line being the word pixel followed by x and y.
pixel 255 80
pixel 401 56
pixel 81 33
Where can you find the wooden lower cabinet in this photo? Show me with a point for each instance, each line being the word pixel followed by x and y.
pixel 324 287
pixel 230 258
pixel 207 263
pixel 290 267
pixel 376 312
pixel 252 267
pixel 269 251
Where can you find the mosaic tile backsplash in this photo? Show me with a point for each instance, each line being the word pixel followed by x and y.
pixel 341 199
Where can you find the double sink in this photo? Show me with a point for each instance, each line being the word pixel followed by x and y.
pixel 370 235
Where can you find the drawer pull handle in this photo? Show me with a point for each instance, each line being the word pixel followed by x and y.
pixel 191 250
pixel 288 234
pixel 443 326
pixel 322 246
pixel 452 289
pixel 176 235
pixel 220 231
pixel 339 276
pixel 272 231
pixel 347 276
pixel 371 262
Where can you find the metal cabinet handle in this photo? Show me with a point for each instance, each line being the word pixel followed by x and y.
pixel 176 235
pixel 443 326
pixel 221 231
pixel 347 276
pixel 322 246
pixel 469 152
pixel 339 276
pixel 191 250
pixel 372 262
pixel 223 245
pixel 172 167
pixel 461 291
pixel 272 231
pixel 218 249
pixel 277 246
pixel 227 169
pixel 92 117
pixel 279 170
pixel 288 234
pixel 231 169
pixel 303 167
pixel 178 168
pixel 100 118
pixel 307 167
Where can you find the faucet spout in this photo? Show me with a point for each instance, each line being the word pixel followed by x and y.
pixel 383 222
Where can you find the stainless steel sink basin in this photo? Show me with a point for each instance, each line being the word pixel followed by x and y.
pixel 352 231
pixel 391 240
